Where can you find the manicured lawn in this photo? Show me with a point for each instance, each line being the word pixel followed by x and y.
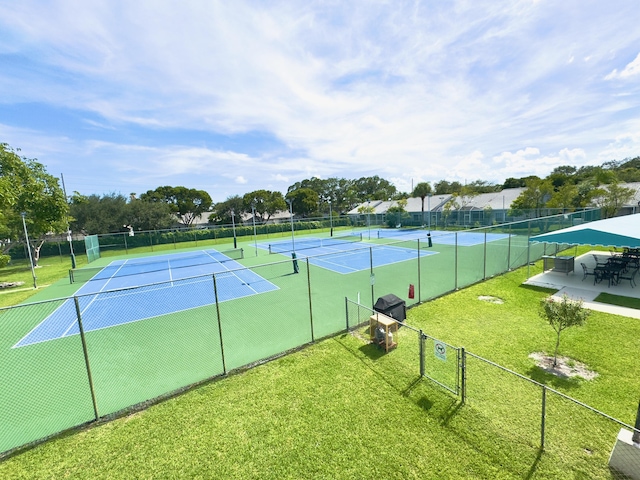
pixel 627 302
pixel 342 409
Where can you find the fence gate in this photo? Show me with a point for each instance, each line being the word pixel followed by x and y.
pixel 441 363
pixel 438 361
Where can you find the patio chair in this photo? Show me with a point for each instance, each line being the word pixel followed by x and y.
pixel 629 276
pixel 598 262
pixel 586 272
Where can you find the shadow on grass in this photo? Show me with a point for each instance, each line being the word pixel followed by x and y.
pixel 372 351
pixel 535 288
pixel 451 411
pixel 534 466
pixel 542 376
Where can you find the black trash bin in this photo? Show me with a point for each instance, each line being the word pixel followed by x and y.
pixel 392 306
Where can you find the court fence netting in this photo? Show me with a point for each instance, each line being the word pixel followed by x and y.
pixel 128 241
pixel 92 248
pixel 85 376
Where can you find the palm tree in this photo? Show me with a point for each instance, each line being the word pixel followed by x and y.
pixel 422 190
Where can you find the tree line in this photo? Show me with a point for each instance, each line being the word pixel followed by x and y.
pixel 30 197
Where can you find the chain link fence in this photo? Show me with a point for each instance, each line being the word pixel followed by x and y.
pixel 90 372
pixel 512 417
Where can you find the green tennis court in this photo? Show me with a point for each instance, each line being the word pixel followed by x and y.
pixel 54 385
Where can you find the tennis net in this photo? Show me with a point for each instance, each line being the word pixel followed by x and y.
pixel 394 232
pixel 304 243
pixel 82 275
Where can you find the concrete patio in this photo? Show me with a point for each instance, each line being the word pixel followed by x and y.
pixel 575 286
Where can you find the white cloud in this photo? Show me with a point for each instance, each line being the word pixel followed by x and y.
pixel 530 161
pixel 280 178
pixel 572 156
pixel 626 145
pixel 631 70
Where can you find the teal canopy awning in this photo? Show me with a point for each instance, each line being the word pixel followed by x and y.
pixel 613 232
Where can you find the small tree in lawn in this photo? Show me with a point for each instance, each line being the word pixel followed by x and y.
pixel 561 315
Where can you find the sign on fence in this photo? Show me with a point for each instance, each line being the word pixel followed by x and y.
pixel 440 350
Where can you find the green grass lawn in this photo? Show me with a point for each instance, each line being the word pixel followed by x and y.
pixel 627 302
pixel 342 409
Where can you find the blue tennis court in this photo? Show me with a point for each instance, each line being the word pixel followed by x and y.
pixel 344 256
pixel 465 238
pixel 137 289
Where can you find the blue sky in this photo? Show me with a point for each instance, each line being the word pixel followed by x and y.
pixel 230 97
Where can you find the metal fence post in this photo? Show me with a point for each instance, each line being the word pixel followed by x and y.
pixel 422 336
pixel 419 274
pixel 543 416
pixel 371 277
pixel 484 273
pixel 463 374
pixel 86 358
pixel 528 253
pixel 509 250
pixel 310 307
pixel 455 285
pixel 346 309
pixel 215 293
pixel 636 433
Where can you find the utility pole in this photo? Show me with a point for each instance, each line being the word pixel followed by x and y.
pixel 66 199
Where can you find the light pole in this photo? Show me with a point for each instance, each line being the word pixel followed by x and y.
pixel 429 209
pixel 369 217
pixel 66 199
pixel 26 236
pixel 253 215
pixel 293 242
pixel 233 223
pixel 330 219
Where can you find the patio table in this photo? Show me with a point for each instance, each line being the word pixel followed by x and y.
pixel 610 272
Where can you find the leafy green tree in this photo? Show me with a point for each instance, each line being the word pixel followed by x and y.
pixel 223 210
pixel 564 197
pixel 612 198
pixel 449 206
pixel 562 315
pixel 397 214
pixel 373 188
pixel 534 197
pixel 341 191
pixel 422 190
pixel 188 203
pixel 512 182
pixel 93 214
pixel 586 191
pixel 266 203
pixel 304 201
pixel 26 187
pixel 562 175
pixel 444 187
pixel 629 175
pixel 113 212
pixel 141 215
pixel 459 200
pixel 321 187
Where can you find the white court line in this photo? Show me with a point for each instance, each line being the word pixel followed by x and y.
pixel 95 295
pixel 233 273
pixel 327 262
pixel 133 290
pixel 61 305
